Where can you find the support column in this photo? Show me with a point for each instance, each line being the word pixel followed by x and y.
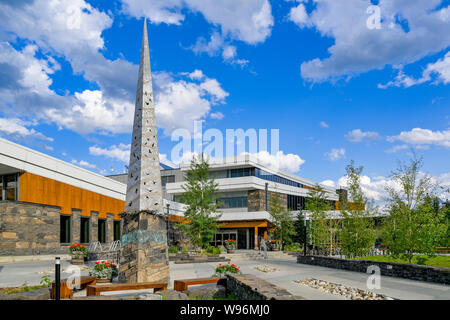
pixel 265 235
pixel 109 227
pixel 94 226
pixel 256 237
pixel 144 256
pixel 76 222
pixel 247 234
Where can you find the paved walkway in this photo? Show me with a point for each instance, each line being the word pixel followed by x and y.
pixel 289 271
pixel 15 274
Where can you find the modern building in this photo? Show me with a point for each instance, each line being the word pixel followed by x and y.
pixel 46 203
pixel 245 187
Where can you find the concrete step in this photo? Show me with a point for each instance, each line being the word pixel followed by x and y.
pixel 258 255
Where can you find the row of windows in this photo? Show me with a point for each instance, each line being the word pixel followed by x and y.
pixel 8 187
pixel 65 232
pixel 295 202
pixel 298 203
pixel 256 172
pixel 233 202
pixel 167 179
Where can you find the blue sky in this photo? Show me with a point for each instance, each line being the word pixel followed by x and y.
pixel 335 83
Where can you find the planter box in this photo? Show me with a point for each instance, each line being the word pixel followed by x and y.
pixel 103 280
pixel 77 261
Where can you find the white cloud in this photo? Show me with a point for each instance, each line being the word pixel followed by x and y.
pixel 92 112
pixel 217 115
pixel 196 75
pixel 329 183
pixel 191 99
pixel 16 129
pixel 440 68
pixel 418 136
pixel 120 152
pixel 217 45
pixel 250 21
pixel 335 154
pixel 357 49
pixel 299 16
pixel 84 164
pixel 323 124
pixel 394 149
pixel 289 162
pixel 375 187
pixel 357 135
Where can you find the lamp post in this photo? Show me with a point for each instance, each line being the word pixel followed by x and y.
pixel 167 223
pixel 57 278
pixel 305 231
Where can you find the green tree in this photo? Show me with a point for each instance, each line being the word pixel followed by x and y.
pixel 201 218
pixel 358 233
pixel 301 234
pixel 325 229
pixel 415 223
pixel 283 221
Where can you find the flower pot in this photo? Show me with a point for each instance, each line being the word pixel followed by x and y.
pixel 230 250
pixel 77 261
pixel 103 280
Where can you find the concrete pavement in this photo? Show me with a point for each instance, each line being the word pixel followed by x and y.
pixel 15 274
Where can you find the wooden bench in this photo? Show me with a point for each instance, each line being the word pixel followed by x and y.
pixel 182 285
pixel 94 290
pixel 65 292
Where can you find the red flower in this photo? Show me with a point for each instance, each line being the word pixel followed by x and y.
pixel 97 262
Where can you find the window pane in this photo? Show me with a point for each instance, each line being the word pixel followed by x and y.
pixel 64 229
pixel 11 187
pixel 116 230
pixel 102 231
pixel 84 230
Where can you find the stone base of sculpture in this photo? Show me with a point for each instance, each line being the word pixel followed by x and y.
pixel 143 254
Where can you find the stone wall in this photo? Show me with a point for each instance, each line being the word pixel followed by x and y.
pixel 401 270
pixel 257 199
pixel 144 256
pixel 250 287
pixel 29 229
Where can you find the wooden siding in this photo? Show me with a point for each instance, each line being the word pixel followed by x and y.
pixel 37 189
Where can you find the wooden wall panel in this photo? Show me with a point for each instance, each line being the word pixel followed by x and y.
pixel 37 189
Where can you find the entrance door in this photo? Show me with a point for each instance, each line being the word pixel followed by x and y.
pixel 251 238
pixel 242 239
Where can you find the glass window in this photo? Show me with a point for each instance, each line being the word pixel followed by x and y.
pixel 101 230
pixel 11 187
pixel 84 230
pixel 167 179
pixel 295 202
pixel 64 229
pixel 234 202
pixel 1 188
pixel 116 230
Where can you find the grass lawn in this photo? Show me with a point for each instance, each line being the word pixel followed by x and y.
pixel 437 261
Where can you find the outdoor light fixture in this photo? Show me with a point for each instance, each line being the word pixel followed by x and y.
pixel 57 277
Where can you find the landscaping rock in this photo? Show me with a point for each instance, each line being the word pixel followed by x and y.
pixel 172 295
pixel 338 289
pixel 208 292
pixel 38 294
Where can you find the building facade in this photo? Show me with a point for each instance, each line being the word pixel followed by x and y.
pixel 245 187
pixel 47 204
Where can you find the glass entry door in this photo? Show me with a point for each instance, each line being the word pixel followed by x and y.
pixel 222 235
